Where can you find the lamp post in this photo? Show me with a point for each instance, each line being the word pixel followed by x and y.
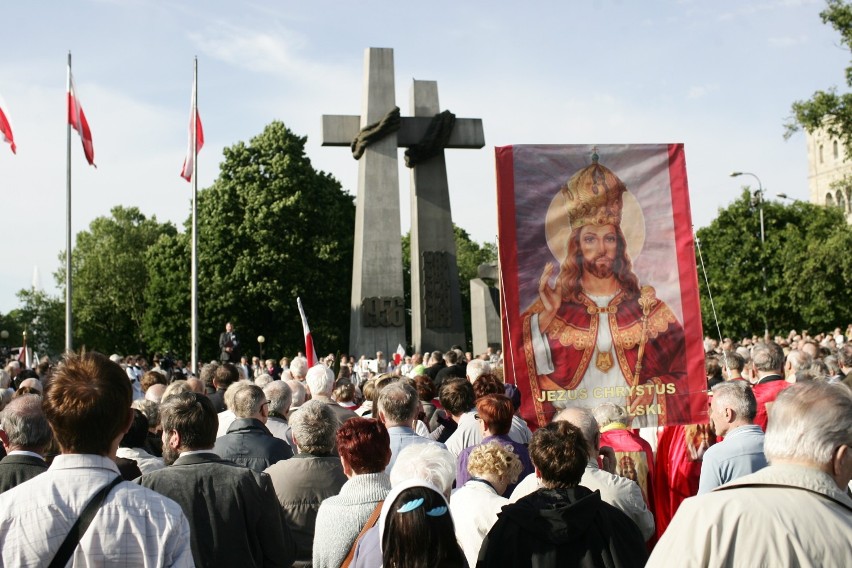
pixel 759 195
pixel 260 341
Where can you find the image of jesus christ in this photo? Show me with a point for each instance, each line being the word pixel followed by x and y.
pixel 596 334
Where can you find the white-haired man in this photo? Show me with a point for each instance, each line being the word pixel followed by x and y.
pixel 476 369
pixel 320 383
pixel 279 396
pixel 299 368
pixel 796 511
pixel 732 411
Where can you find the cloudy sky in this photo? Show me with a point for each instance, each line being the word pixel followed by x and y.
pixel 717 76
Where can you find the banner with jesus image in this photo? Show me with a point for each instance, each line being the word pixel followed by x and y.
pixel 599 284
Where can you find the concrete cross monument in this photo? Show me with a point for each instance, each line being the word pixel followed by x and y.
pixel 378 308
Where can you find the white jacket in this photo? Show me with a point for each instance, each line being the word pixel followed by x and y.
pixel 782 515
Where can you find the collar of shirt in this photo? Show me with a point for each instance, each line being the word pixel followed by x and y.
pixel 191 452
pixel 25 453
pixel 83 461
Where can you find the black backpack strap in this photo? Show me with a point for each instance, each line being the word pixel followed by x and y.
pixel 71 541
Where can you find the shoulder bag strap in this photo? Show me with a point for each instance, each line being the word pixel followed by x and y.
pixel 71 541
pixel 374 516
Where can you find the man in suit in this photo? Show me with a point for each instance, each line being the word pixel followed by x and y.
pixel 248 442
pixel 229 345
pixel 25 434
pixel 233 513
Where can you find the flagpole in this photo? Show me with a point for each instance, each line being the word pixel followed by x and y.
pixel 194 155
pixel 68 315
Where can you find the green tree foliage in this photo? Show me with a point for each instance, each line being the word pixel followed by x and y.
pixel 469 255
pixel 166 323
pixel 828 108
pixel 109 280
pixel 271 229
pixel 43 317
pixel 807 264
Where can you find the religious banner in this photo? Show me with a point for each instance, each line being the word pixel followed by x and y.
pixel 599 283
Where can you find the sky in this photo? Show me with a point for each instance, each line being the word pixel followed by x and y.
pixel 717 76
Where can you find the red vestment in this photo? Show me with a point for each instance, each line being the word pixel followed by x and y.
pixel 765 394
pixel 678 468
pixel 572 338
pixel 634 458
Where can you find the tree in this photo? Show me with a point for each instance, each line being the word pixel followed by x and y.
pixel 166 323
pixel 807 269
pixel 271 229
pixel 43 317
pixel 469 255
pixel 828 109
pixel 109 280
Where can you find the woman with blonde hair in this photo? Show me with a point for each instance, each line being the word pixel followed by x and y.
pixel 493 467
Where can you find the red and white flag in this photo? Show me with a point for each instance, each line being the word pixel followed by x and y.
pixel 310 352
pixel 6 128
pixel 188 162
pixel 400 353
pixel 77 120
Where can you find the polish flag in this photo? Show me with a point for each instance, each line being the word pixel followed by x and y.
pixel 6 129
pixel 310 352
pixel 186 171
pixel 77 120
pixel 400 353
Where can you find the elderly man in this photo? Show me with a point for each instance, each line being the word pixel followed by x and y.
pixel 279 396
pixel 25 435
pixel 314 474
pixel 299 368
pixel 732 410
pixel 248 441
pixel 87 404
pixel 796 361
pixel 620 492
pixel 232 511
pixel 563 523
pixel 767 361
pixel 398 408
pixel 320 381
pixel 796 511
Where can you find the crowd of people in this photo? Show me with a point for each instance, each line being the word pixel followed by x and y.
pixel 417 460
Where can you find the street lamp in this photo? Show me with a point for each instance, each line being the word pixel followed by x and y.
pixel 260 341
pixel 759 195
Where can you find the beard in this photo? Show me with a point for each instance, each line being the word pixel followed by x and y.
pixel 601 267
pixel 169 454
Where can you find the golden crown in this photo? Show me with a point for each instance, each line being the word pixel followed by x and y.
pixel 593 196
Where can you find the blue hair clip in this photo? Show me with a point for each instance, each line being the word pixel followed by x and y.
pixel 410 506
pixel 437 511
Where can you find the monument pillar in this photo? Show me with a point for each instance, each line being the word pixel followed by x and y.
pixel 377 319
pixel 436 309
pixel 378 313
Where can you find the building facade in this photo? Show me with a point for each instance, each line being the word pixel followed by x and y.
pixel 828 165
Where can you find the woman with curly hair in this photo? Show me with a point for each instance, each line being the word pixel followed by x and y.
pixel 492 468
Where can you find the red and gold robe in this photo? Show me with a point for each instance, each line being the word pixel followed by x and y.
pixel 572 337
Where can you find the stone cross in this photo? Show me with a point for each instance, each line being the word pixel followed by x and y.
pixel 377 307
